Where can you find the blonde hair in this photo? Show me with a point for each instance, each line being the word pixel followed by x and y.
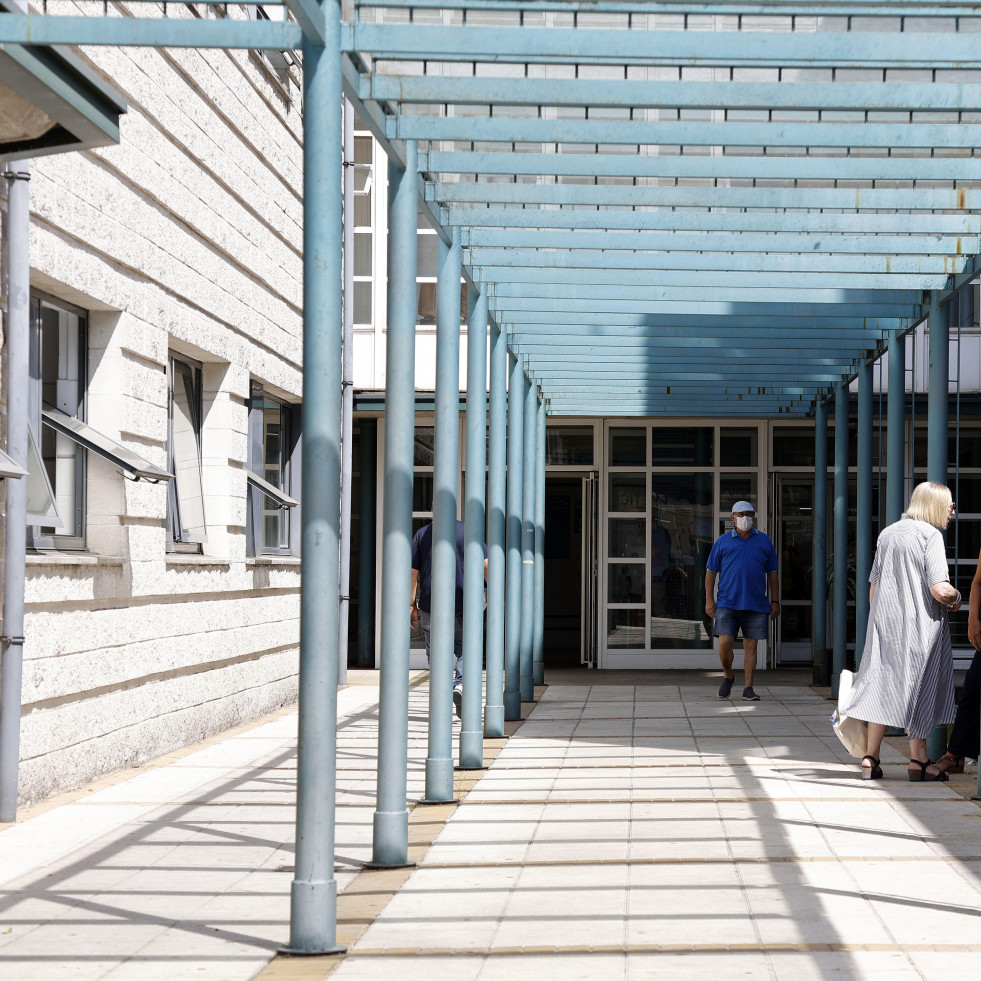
pixel 931 503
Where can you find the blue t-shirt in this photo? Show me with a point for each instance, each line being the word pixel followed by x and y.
pixel 742 565
pixel 422 561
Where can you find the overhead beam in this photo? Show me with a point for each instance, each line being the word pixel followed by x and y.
pixel 721 334
pixel 899 303
pixel 721 318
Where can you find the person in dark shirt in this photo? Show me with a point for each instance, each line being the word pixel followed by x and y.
pixel 422 580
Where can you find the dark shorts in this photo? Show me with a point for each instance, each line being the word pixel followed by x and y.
pixel 727 623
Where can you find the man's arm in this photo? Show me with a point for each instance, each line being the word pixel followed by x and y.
pixel 414 610
pixel 710 592
pixel 773 579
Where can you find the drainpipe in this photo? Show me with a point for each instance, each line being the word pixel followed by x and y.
pixel 347 397
pixel 15 544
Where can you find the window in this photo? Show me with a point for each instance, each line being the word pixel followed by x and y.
pixel 272 527
pixel 363 239
pixel 56 463
pixel 186 527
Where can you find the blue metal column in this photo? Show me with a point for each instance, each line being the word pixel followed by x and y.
pixel 15 511
pixel 512 623
pixel 896 429
pixel 471 731
pixel 529 483
pixel 446 477
pixel 496 503
pixel 839 633
pixel 819 583
pixel 863 508
pixel 937 418
pixel 538 658
pixel 313 895
pixel 390 834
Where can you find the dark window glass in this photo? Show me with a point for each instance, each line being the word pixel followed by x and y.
pixel 628 447
pixel 793 447
pixel 738 447
pixel 569 445
pixel 683 447
pixel 626 582
pixel 628 492
pixel 625 628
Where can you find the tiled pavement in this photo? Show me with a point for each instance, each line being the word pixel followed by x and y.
pixel 621 832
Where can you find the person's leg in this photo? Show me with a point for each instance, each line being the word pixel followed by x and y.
pixel 918 751
pixel 725 654
pixel 458 653
pixel 424 622
pixel 965 737
pixel 749 659
pixel 871 770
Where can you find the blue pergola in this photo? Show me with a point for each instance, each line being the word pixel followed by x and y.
pixel 661 208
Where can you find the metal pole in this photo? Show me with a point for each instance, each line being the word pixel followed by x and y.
pixel 366 542
pixel 819 581
pixel 937 418
pixel 529 482
pixel 15 542
pixel 313 916
pixel 839 633
pixel 390 835
pixel 446 476
pixel 471 730
pixel 896 429
pixel 863 508
pixel 496 503
pixel 538 659
pixel 347 397
pixel 512 626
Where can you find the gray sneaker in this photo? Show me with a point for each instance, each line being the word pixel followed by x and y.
pixel 750 695
pixel 458 702
pixel 726 687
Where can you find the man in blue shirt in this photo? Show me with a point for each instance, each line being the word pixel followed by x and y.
pixel 422 579
pixel 745 562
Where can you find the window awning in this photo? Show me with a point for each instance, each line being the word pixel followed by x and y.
pixel 280 499
pixel 131 464
pixel 10 469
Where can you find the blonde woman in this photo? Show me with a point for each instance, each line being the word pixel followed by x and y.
pixel 906 677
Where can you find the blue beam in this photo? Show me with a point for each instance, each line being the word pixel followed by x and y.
pixel 692 166
pixel 650 94
pixel 819 579
pixel 512 628
pixel 309 15
pixel 628 195
pixel 156 32
pixel 529 481
pixel 898 303
pixel 839 636
pixel 814 315
pixel 538 652
pixel 718 220
pixel 896 428
pixel 623 288
pixel 863 508
pixel 703 49
pixel 837 326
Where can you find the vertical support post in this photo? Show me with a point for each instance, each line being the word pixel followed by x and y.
pixel 538 659
pixel 937 419
pixel 347 398
pixel 390 841
pixel 819 581
pixel 896 429
pixel 839 633
pixel 529 482
pixel 15 542
pixel 863 508
pixel 496 521
pixel 471 730
pixel 512 625
pixel 446 476
pixel 367 505
pixel 313 913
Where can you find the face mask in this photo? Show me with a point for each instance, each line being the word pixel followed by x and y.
pixel 744 524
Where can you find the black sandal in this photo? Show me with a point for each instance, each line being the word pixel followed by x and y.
pixel 918 776
pixel 949 763
pixel 873 772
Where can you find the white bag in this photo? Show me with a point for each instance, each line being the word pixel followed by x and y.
pixel 851 732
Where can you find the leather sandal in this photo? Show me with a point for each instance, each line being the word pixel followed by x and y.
pixel 873 772
pixel 918 776
pixel 948 763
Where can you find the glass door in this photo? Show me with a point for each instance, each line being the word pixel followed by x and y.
pixel 590 568
pixel 793 526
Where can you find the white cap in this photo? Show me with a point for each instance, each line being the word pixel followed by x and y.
pixel 742 506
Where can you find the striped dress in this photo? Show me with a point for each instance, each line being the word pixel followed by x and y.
pixel 906 677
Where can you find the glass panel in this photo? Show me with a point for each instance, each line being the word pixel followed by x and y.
pixel 628 447
pixel 626 582
pixel 627 537
pixel 967 454
pixel 362 210
pixel 422 491
pixel 274 471
pixel 362 149
pixel 628 492
pixel 793 446
pixel 682 524
pixel 569 445
pixel 625 628
pixel 682 447
pixel 362 303
pixel 425 303
pixel 423 455
pixel 426 256
pixel 736 487
pixel 40 497
pixel 187 458
pixel 967 492
pixel 795 628
pixel 797 542
pixel 966 537
pixel 738 447
pixel 362 254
